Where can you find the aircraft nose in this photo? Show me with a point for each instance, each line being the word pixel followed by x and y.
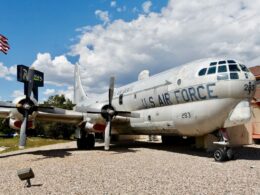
pixel 252 77
pixel 250 87
pixel 249 76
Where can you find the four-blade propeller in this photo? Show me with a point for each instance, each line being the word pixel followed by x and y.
pixel 108 112
pixel 26 106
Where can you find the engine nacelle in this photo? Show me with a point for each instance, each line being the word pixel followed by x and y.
pixel 16 115
pixel 21 101
pixel 16 124
pixel 97 127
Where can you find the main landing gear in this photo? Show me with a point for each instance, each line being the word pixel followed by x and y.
pixel 85 141
pixel 224 152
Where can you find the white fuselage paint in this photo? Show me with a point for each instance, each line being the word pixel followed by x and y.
pixel 176 101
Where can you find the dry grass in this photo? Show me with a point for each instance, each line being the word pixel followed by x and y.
pixel 12 143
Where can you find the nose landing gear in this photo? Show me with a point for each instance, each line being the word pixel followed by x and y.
pixel 224 152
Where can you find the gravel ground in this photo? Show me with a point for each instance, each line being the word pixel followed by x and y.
pixel 130 168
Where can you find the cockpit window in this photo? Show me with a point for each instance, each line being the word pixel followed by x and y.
pixel 231 61
pixel 213 64
pixel 222 76
pixel 225 69
pixel 233 75
pixel 244 68
pixel 222 62
pixel 212 70
pixel 222 69
pixel 202 71
pixel 233 68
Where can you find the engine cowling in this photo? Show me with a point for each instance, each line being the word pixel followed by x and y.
pixel 21 102
pixel 16 124
pixel 16 115
pixel 97 127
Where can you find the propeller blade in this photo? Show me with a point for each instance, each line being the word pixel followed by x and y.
pixel 3 106
pixel 107 134
pixel 7 105
pixel 23 131
pixel 30 83
pixel 111 90
pixel 119 113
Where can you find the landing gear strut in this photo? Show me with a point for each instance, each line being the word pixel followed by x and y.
pixel 224 151
pixel 86 141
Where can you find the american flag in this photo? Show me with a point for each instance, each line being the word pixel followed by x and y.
pixel 4 46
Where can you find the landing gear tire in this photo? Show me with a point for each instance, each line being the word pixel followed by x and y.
pixel 224 152
pixel 220 155
pixel 230 154
pixel 86 142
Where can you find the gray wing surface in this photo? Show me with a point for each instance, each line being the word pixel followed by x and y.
pixel 61 115
pixel 4 112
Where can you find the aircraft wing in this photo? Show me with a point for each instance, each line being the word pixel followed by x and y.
pixel 51 114
pixel 4 112
pixel 61 115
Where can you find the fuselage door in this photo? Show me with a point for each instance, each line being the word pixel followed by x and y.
pixel 121 99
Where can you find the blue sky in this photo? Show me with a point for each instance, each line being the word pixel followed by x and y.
pixel 121 38
pixel 49 25
pixel 34 27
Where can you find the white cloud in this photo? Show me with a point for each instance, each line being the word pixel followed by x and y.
pixel 118 9
pixel 103 16
pixel 3 70
pixel 135 10
pixel 6 72
pixel 146 6
pixel 181 32
pixel 13 70
pixel 57 71
pixel 17 93
pixel 121 9
pixel 68 93
pixel 49 92
pixel 113 3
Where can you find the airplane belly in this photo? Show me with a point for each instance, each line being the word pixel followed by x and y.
pixel 191 119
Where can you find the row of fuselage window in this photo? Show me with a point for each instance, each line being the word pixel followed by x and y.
pixel 221 68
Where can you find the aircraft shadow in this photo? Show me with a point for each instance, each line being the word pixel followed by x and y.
pixel 52 153
pixel 64 152
pixel 133 146
pixel 241 153
pixel 176 148
pixel 117 149
pixel 246 153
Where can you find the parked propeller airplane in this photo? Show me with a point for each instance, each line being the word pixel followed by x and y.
pixel 191 100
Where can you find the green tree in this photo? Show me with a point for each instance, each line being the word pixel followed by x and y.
pixel 4 127
pixel 57 129
pixel 59 101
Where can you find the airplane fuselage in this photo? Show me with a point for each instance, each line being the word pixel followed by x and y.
pixel 182 100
